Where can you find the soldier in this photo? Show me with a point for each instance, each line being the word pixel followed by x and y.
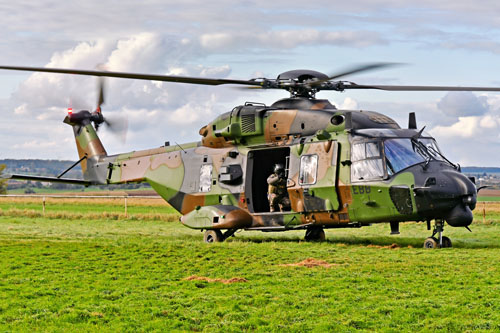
pixel 277 194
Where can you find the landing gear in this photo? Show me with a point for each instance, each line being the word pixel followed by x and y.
pixel 446 242
pixel 213 236
pixel 431 243
pixel 315 234
pixel 439 242
pixel 216 235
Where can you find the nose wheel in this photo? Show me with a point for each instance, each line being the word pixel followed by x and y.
pixel 440 241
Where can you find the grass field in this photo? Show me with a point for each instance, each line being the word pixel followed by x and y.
pixel 487 198
pixel 81 270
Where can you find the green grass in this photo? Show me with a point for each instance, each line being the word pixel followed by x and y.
pixel 487 198
pixel 122 275
pixel 89 205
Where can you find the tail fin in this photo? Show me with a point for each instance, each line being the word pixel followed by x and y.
pixel 88 144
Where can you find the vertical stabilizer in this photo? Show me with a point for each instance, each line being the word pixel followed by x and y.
pixel 88 144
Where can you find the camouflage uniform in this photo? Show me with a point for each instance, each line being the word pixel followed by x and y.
pixel 277 193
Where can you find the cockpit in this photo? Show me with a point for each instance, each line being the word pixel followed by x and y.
pixel 375 158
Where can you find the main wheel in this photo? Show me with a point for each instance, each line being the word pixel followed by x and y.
pixel 431 243
pixel 212 236
pixel 446 242
pixel 315 234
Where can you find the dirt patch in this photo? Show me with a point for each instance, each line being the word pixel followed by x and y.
pixel 392 246
pixel 490 193
pixel 310 262
pixel 97 314
pixel 207 279
pixel 149 193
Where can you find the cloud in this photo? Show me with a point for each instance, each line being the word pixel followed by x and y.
pixel 466 127
pixel 348 104
pixel 154 110
pixel 463 103
pixel 286 39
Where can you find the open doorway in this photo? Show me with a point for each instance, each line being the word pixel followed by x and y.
pixel 260 165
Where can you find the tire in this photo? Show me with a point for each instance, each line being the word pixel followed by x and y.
pixel 446 242
pixel 431 243
pixel 213 236
pixel 315 234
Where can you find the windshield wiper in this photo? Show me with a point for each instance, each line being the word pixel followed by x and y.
pixel 429 152
pixel 435 151
pixel 420 148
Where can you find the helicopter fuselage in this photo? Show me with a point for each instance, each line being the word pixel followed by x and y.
pixel 344 169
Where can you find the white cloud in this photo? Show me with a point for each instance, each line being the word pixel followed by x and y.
pixel 463 103
pixel 192 112
pixel 154 110
pixel 286 39
pixel 348 104
pixel 140 53
pixel 466 127
pixel 489 122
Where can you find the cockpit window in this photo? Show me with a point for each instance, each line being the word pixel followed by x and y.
pixel 367 162
pixel 432 148
pixel 400 154
pixel 372 149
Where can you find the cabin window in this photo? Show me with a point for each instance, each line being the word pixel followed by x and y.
pixel 366 161
pixel 308 169
pixel 205 178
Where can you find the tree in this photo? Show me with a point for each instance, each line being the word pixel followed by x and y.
pixel 3 182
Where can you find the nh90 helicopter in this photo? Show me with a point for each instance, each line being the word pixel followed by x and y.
pixel 343 168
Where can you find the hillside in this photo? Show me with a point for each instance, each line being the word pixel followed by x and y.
pixel 42 167
pixel 50 168
pixel 480 170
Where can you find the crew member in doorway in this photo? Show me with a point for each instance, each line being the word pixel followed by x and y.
pixel 277 193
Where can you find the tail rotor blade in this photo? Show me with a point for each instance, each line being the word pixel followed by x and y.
pixel 118 126
pixel 100 94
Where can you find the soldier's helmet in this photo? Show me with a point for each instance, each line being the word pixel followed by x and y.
pixel 279 169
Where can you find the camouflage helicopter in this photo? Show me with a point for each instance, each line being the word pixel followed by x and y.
pixel 341 168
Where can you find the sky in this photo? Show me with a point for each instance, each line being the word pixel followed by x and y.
pixel 447 42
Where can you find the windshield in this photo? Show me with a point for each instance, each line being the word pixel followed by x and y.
pixel 432 148
pixel 369 163
pixel 402 153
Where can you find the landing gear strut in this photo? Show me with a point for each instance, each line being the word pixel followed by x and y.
pixel 439 242
pixel 216 235
pixel 315 234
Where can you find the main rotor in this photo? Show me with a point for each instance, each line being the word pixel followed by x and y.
pixel 300 83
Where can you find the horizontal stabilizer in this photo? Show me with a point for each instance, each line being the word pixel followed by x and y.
pixel 46 179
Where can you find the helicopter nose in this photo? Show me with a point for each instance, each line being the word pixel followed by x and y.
pixel 459 216
pixel 448 195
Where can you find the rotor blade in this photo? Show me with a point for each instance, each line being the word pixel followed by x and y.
pixel 152 77
pixel 118 126
pixel 419 88
pixel 100 98
pixel 249 88
pixel 362 68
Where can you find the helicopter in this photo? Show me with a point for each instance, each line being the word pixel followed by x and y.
pixel 343 168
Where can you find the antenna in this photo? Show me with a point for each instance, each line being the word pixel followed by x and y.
pixel 412 121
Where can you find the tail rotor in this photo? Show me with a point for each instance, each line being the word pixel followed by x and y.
pixel 116 125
